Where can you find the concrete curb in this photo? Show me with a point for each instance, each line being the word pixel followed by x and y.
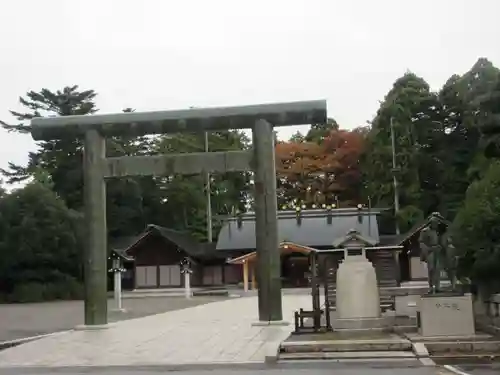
pixel 455 370
pixel 118 310
pixel 427 362
pixel 421 352
pixel 90 328
pixel 36 369
pixel 272 352
pixel 279 323
pixel 305 365
pixel 12 343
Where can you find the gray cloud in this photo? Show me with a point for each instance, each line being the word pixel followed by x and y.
pixel 157 54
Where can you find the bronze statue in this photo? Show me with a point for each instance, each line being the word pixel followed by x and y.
pixel 438 252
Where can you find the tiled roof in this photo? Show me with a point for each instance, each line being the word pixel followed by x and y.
pixel 418 228
pixel 315 228
pixel 183 240
pixel 121 243
pixel 120 254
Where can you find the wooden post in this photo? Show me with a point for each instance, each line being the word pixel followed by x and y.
pixel 315 292
pixel 245 276
pixel 209 196
pixel 254 277
pixel 95 259
pixel 266 223
pixel 397 263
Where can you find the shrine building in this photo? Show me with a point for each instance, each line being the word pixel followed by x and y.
pixel 152 259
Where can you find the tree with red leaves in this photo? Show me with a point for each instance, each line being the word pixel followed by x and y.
pixel 346 148
pixel 327 172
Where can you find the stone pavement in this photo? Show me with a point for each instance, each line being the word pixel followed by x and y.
pixel 329 370
pixel 219 332
pixel 31 319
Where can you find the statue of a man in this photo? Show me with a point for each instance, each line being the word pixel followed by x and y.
pixel 433 251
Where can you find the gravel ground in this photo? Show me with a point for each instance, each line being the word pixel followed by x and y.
pixel 24 320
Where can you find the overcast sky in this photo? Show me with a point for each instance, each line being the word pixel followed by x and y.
pixel 172 54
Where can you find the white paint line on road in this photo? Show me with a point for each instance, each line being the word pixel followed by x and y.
pixel 455 370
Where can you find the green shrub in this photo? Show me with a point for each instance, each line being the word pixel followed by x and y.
pixel 69 289
pixel 476 232
pixel 40 246
pixel 29 292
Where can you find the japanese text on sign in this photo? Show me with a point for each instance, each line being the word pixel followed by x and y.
pixel 451 306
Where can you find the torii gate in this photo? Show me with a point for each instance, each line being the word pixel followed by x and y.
pixel 260 118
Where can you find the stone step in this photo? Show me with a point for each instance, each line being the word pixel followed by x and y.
pixel 365 324
pixel 379 345
pixel 383 307
pixel 464 358
pixel 333 296
pixel 386 291
pixel 346 355
pixel 384 302
pixel 382 293
pixel 393 363
pixel 446 348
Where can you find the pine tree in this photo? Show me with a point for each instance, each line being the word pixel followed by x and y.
pixel 60 159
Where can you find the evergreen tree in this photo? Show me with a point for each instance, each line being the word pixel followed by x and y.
pixel 61 159
pixel 40 246
pixel 463 162
pixel 184 197
pixel 489 121
pixel 413 111
pixel 476 232
pixel 318 132
pixel 297 137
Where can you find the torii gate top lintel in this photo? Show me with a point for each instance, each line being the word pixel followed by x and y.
pixel 187 120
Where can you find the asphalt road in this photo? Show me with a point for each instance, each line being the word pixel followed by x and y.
pixel 492 369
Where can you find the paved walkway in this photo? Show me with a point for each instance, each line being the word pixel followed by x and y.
pixel 219 332
pixel 239 371
pixel 31 319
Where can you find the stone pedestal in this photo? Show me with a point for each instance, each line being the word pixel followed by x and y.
pixel 445 315
pixel 363 324
pixel 418 269
pixel 406 305
pixel 357 290
pixel 358 302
